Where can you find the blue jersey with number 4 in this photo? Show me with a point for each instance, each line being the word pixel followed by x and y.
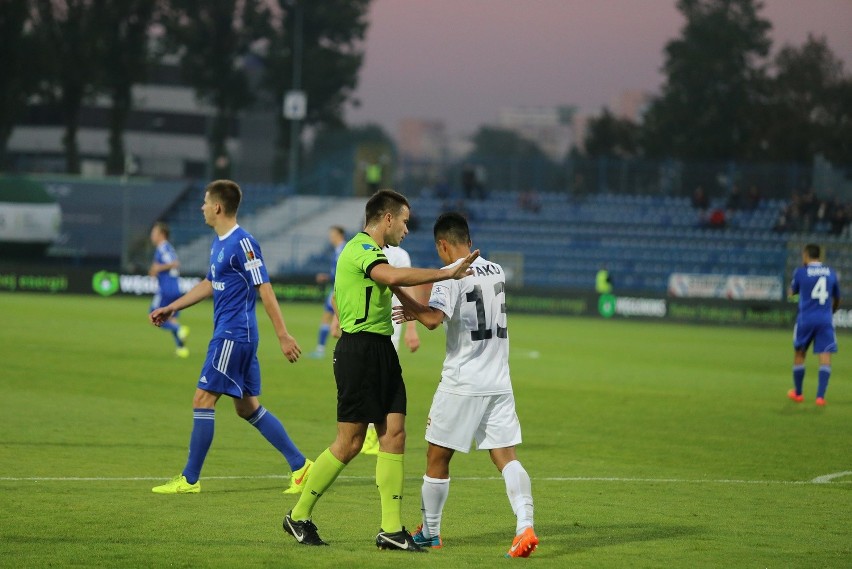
pixel 816 285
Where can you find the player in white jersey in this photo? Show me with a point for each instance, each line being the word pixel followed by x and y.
pixel 474 400
pixel 397 257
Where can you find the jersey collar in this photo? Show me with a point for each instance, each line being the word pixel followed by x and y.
pixel 228 234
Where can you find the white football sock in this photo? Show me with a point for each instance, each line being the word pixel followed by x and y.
pixel 519 490
pixel 433 496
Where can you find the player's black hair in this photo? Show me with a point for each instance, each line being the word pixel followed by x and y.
pixel 227 193
pixel 382 202
pixel 813 250
pixel 452 226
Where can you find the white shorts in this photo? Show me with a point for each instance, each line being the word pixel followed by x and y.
pixel 455 420
pixel 397 330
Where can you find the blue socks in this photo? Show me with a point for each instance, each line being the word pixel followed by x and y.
pixel 272 429
pixel 323 334
pixel 822 384
pixel 199 442
pixel 824 374
pixel 265 422
pixel 798 378
pixel 173 328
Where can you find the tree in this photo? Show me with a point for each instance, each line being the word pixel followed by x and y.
pixel 213 38
pixel 608 135
pixel 808 109
pixel 707 106
pixel 339 157
pixel 333 32
pixel 331 140
pixel 19 68
pixel 125 60
pixel 512 162
pixel 68 31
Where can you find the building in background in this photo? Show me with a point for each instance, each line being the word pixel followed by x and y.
pixel 548 127
pixel 630 105
pixel 423 148
pixel 166 133
pixel 422 139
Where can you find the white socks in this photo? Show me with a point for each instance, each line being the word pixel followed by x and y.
pixel 433 496
pixel 519 490
pixel 434 492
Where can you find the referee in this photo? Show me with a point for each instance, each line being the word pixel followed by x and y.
pixel 370 388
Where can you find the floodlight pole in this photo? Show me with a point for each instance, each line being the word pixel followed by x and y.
pixel 295 124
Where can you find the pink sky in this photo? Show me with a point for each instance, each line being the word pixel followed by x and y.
pixel 462 60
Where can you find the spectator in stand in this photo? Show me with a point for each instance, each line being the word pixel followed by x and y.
pixel 700 201
pixel 529 200
pixel 752 199
pixel 735 199
pixel 468 180
pixel 789 218
pixel 480 177
pixel 473 180
pixel 839 220
pixel 808 209
pixel 717 219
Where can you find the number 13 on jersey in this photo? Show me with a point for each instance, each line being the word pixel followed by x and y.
pixel 482 330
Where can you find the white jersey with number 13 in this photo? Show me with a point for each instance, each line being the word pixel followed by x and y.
pixel 477 361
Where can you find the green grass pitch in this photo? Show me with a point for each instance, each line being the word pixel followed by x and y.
pixel 649 445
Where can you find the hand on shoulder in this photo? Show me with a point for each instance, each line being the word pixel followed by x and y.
pixel 463 269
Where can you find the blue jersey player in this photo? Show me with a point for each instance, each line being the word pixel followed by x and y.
pixel 237 276
pixel 337 238
pixel 165 268
pixel 819 297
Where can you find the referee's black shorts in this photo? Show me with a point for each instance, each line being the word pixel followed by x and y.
pixel 369 378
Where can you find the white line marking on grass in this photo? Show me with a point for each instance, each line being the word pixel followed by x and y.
pixel 531 354
pixel 828 478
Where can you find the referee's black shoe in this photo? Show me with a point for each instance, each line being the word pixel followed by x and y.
pixel 305 531
pixel 400 540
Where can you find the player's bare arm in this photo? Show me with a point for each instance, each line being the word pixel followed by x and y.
pixel 289 347
pixel 336 332
pixel 160 267
pixel 196 294
pixel 389 275
pixel 411 309
pixel 412 339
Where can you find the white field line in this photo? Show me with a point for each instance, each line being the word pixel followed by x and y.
pixel 829 477
pixel 825 479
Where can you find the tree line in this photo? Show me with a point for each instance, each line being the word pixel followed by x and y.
pixel 65 53
pixel 724 97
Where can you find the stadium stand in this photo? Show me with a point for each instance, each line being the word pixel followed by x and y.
pixel 641 239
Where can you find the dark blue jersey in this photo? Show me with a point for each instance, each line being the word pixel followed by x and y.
pixel 816 285
pixel 168 279
pixel 236 268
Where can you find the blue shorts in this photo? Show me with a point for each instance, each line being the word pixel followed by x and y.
pixel 821 334
pixel 160 300
pixel 328 306
pixel 231 368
